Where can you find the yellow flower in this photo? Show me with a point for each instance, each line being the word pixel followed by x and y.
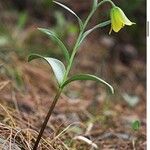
pixel 118 19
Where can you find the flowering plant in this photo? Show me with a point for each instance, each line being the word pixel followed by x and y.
pixel 61 71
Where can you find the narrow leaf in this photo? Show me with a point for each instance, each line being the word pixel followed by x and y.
pixel 103 24
pixel 57 66
pixel 60 43
pixel 65 7
pixel 88 77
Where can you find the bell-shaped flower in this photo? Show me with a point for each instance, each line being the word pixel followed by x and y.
pixel 118 19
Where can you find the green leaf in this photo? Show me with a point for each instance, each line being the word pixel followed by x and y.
pixel 57 66
pixel 23 16
pixel 136 125
pixel 60 43
pixel 88 77
pixel 72 12
pixel 103 24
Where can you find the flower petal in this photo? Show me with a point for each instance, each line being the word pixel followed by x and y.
pixel 123 18
pixel 118 19
pixel 115 21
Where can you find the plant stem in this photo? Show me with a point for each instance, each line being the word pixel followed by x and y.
pixel 80 36
pixel 77 44
pixel 72 57
pixel 47 118
pixel 106 1
pixel 67 72
pixel 65 77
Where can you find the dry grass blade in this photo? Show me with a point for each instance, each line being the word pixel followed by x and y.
pixel 65 130
pixel 3 84
pixel 84 139
pixel 8 114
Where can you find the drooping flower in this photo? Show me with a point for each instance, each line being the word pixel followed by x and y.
pixel 118 19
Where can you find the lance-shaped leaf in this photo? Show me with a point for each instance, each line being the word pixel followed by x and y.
pixel 88 77
pixel 60 43
pixel 71 11
pixel 56 65
pixel 103 24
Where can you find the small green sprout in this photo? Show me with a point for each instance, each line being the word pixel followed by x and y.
pixel 136 125
pixel 61 71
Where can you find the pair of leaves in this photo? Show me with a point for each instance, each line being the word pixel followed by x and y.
pixel 60 43
pixel 56 65
pixel 56 38
pixel 59 72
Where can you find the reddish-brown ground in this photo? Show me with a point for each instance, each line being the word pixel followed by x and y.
pixel 85 108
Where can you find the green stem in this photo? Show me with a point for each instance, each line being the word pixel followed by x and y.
pixel 104 1
pixel 76 44
pixel 72 56
pixel 67 72
pixel 80 35
pixel 47 118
